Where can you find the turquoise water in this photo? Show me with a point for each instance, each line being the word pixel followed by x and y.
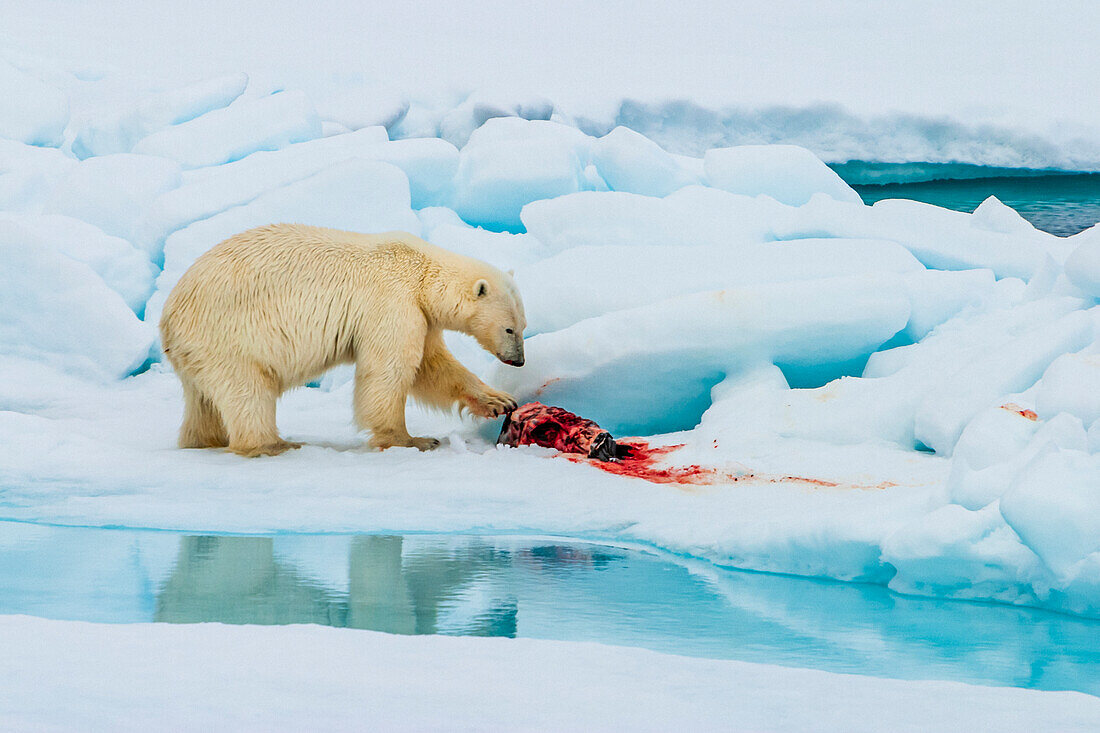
pixel 1057 203
pixel 541 588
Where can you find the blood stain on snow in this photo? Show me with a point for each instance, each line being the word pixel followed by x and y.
pixel 545 385
pixel 640 461
pixel 1013 407
pixel 811 481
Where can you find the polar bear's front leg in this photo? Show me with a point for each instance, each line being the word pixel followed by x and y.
pixel 380 396
pixel 383 378
pixel 442 382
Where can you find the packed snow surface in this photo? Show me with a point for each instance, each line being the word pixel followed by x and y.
pixel 214 677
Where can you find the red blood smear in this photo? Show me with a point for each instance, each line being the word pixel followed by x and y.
pixel 639 463
pixel 641 457
pixel 1013 407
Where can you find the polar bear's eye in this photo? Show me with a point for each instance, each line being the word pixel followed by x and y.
pixel 508 330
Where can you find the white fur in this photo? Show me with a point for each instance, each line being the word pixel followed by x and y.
pixel 274 307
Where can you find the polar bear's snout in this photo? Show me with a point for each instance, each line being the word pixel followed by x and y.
pixel 512 351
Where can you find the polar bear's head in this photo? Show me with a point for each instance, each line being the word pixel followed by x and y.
pixel 495 316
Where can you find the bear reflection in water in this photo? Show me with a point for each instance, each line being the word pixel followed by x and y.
pixel 242 580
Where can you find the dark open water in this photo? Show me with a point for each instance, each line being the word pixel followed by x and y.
pixel 1059 204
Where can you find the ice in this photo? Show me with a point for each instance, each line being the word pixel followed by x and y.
pixel 883 404
pixel 1083 264
pixel 237 183
pixel 1011 367
pixel 620 276
pixel 117 131
pixel 123 268
pixel 113 191
pixel 650 369
pixel 457 125
pixel 430 164
pixel 28 174
pixel 59 311
pixel 359 195
pixel 231 133
pixel 629 161
pixel 991 450
pixel 509 162
pixel 506 251
pixel 329 129
pixel 962 553
pixel 998 449
pixel 938 295
pixel 939 238
pixel 34 112
pixel 931 146
pixel 1054 506
pixel 362 104
pixel 1071 384
pixel 994 216
pixel 690 217
pixel 787 173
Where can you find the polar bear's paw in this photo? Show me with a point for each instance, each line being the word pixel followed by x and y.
pixel 424 443
pixel 268 449
pixel 490 403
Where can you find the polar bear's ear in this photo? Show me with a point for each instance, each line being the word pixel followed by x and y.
pixel 481 288
pixel 511 273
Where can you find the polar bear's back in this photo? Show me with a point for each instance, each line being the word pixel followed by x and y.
pixel 289 297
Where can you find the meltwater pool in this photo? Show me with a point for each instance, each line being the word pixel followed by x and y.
pixel 536 587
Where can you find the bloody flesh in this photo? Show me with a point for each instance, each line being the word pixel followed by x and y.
pixel 553 427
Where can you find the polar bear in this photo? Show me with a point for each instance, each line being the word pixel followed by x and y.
pixel 274 307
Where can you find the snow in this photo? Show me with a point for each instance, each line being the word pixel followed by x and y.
pixel 1011 367
pixel 118 131
pixel 787 173
pixel 28 174
pixel 58 310
pixel 649 368
pixel 429 163
pixel 237 183
pixel 1083 264
pixel 458 124
pixel 247 678
pixel 549 283
pixel 1071 385
pixel 112 191
pixel 35 112
pixel 939 238
pixel 690 216
pixel 123 268
pixel 1054 506
pixel 362 103
pixel 231 133
pixel 896 394
pixel 509 162
pixel 629 161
